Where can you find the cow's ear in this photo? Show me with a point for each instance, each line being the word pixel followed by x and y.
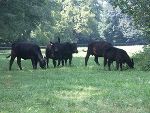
pixel 51 43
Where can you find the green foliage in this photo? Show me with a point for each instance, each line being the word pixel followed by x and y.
pixel 138 9
pixel 78 17
pixel 49 19
pixel 18 18
pixel 143 59
pixel 119 25
pixel 70 20
pixel 146 66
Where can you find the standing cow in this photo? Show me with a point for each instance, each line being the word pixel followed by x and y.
pixel 96 49
pixel 53 52
pixel 25 51
pixel 61 52
pixel 67 49
pixel 48 53
pixel 119 55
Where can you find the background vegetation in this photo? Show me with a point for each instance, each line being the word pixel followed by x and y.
pixel 74 20
pixel 143 64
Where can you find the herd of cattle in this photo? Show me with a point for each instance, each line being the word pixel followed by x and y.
pixel 60 53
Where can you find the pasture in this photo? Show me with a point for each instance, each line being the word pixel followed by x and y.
pixel 75 89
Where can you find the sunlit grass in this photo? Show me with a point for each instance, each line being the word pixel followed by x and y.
pixel 75 89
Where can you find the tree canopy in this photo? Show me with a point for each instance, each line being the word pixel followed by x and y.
pixel 138 9
pixel 71 20
pixel 19 17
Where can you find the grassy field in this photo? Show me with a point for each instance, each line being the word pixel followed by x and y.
pixel 75 89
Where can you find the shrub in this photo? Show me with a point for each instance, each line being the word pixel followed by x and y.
pixel 142 59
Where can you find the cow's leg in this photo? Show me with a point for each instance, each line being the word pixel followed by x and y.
pixel 109 63
pixel 19 62
pixel 34 63
pixel 87 58
pixel 70 60
pixel 65 61
pixel 62 62
pixel 58 62
pixel 47 61
pixel 96 60
pixel 120 66
pixel 117 65
pixel 105 62
pixel 11 61
pixel 54 63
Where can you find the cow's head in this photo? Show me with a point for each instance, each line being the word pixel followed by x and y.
pixel 74 48
pixel 50 49
pixel 50 45
pixel 131 63
pixel 55 49
pixel 43 63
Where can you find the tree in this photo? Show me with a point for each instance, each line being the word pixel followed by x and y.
pixel 68 19
pixel 118 26
pixel 138 9
pixel 19 17
pixel 79 17
pixel 48 28
pixel 113 31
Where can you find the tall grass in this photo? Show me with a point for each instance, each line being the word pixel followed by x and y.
pixel 75 89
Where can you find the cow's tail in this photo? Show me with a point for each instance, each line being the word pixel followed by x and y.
pixel 8 56
pixel 58 40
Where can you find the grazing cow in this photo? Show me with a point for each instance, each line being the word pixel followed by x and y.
pixel 96 49
pixel 119 55
pixel 25 51
pixel 61 52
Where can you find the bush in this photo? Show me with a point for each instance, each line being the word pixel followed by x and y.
pixel 143 59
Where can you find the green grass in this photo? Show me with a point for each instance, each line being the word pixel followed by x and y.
pixel 75 89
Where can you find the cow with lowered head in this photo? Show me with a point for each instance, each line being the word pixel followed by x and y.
pixel 119 55
pixel 26 50
pixel 96 49
pixel 61 52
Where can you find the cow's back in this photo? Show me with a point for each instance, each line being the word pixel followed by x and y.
pixel 26 50
pixel 66 48
pixel 97 48
pixel 111 53
pixel 114 54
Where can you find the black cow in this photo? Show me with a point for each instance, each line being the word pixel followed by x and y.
pixel 119 55
pixel 96 49
pixel 61 52
pixel 53 52
pixel 48 53
pixel 67 49
pixel 26 50
pixel 50 50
